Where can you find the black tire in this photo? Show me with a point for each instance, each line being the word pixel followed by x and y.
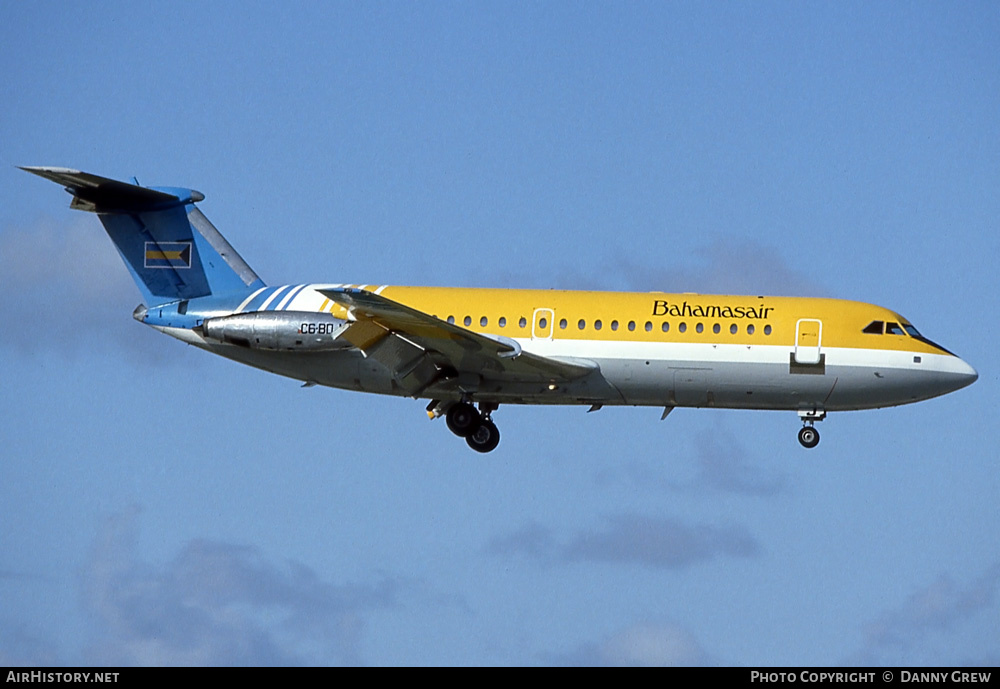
pixel 809 437
pixel 463 419
pixel 485 438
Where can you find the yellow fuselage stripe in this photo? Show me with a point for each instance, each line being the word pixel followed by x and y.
pixel 842 320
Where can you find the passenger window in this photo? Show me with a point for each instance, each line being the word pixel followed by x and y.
pixel 582 324
pixel 893 329
pixel 682 327
pixel 631 325
pixel 597 325
pixel 750 329
pixel 451 320
pixel 614 325
pixel 562 324
pixel 468 320
pixel 874 328
pixel 483 321
pixel 733 328
pixel 767 330
pixel 665 327
pixel 543 323
pixel 716 328
pixel 699 328
pixel 503 321
pixel 649 326
pixel 523 322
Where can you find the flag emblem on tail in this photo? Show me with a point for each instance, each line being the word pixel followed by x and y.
pixel 168 255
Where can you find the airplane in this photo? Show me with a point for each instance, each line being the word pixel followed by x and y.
pixel 459 347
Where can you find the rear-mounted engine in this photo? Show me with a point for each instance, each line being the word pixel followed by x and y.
pixel 284 331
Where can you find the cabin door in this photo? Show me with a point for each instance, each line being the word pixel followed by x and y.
pixel 808 336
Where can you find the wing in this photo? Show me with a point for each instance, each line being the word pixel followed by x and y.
pixel 416 339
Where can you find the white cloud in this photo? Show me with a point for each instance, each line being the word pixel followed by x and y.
pixel 69 291
pixel 21 646
pixel 743 267
pixel 724 464
pixel 219 603
pixel 658 542
pixel 631 539
pixel 718 463
pixel 640 645
pixel 937 622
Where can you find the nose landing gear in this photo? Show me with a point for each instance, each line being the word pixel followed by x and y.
pixel 808 435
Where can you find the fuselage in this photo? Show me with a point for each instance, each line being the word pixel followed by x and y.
pixel 686 350
pixel 461 348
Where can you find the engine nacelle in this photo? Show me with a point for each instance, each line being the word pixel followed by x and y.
pixel 279 331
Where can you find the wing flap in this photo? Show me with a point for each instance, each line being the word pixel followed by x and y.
pixel 365 334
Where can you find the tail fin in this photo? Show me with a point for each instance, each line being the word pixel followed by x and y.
pixel 169 246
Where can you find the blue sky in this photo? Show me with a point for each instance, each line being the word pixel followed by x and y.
pixel 162 506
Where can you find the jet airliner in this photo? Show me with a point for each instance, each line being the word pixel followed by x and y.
pixel 467 348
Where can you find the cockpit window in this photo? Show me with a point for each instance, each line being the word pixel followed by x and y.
pixel 874 328
pixel 893 329
pixel 912 332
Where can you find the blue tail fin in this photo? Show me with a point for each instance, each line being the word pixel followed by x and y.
pixel 169 246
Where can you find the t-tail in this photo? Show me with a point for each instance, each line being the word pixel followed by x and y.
pixel 172 250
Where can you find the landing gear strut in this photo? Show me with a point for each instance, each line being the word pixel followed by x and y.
pixel 478 429
pixel 808 435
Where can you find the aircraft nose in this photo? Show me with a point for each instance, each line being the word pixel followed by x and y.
pixel 966 374
pixel 955 373
pixel 947 374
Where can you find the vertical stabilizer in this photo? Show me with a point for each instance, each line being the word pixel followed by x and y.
pixel 169 246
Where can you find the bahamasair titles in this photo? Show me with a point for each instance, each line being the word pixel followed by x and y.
pixel 468 351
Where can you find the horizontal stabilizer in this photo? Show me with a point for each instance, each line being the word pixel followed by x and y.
pixel 100 194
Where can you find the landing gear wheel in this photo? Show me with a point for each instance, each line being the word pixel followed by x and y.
pixel 463 419
pixel 485 438
pixel 808 436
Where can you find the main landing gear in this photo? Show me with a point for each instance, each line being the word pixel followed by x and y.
pixel 808 435
pixel 478 429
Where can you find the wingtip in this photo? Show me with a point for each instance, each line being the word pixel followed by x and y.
pixel 49 172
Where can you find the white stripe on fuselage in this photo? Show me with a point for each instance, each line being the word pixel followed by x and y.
pixel 288 298
pixel 709 353
pixel 274 295
pixel 239 309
